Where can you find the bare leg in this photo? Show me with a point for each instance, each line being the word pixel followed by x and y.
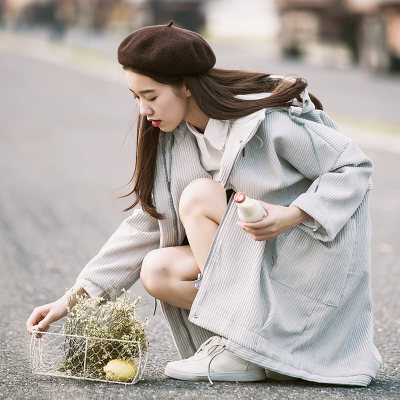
pixel 201 208
pixel 167 274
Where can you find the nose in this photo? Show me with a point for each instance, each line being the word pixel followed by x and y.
pixel 144 108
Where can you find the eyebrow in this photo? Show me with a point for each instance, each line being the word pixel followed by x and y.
pixel 144 91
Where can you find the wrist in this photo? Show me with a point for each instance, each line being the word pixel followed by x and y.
pixel 299 215
pixel 71 294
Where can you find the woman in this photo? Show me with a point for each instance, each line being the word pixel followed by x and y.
pixel 288 296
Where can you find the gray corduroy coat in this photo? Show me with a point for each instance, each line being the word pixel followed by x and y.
pixel 298 304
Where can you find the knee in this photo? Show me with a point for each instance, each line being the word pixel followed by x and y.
pixel 154 272
pixel 197 197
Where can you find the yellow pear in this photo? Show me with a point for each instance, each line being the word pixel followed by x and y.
pixel 120 370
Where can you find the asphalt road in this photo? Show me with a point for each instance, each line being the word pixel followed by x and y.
pixel 66 146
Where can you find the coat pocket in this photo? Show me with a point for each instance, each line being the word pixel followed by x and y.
pixel 313 268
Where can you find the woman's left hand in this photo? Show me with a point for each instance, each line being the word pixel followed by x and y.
pixel 279 219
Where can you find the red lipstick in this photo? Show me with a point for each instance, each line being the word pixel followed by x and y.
pixel 155 122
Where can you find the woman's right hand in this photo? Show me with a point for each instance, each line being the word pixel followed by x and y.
pixel 43 316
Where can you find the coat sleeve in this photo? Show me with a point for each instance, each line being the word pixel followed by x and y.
pixel 118 263
pixel 339 172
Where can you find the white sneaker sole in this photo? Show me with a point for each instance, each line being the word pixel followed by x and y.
pixel 250 376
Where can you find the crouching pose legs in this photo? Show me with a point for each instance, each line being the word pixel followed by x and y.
pixel 166 275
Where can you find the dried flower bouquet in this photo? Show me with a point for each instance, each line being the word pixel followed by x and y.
pixel 98 321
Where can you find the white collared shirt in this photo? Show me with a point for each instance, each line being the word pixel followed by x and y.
pixel 212 144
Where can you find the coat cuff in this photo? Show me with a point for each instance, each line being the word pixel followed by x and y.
pixel 316 226
pixel 91 288
pixel 312 224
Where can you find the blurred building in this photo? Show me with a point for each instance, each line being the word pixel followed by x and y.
pixel 242 20
pixel 103 15
pixel 187 14
pixel 366 31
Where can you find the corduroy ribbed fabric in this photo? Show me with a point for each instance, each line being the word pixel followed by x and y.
pixel 299 304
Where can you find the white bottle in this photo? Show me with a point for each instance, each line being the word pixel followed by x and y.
pixel 249 210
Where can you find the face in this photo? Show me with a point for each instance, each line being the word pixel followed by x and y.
pixel 164 104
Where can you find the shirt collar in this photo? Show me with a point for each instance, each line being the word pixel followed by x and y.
pixel 216 132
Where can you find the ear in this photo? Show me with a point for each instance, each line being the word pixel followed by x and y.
pixel 188 93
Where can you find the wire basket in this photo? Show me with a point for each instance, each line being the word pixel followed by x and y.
pixel 84 357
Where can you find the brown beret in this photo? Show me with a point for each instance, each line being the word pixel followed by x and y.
pixel 166 49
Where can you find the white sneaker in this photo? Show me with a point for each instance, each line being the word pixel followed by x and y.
pixel 212 359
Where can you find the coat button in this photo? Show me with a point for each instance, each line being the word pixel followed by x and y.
pixel 196 316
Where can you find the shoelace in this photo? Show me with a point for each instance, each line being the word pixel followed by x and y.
pixel 209 346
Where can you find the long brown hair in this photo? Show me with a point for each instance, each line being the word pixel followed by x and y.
pixel 215 93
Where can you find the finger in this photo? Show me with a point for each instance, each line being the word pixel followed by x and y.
pixel 257 233
pixel 262 232
pixel 37 328
pixel 38 320
pixel 33 330
pixel 43 325
pixel 32 321
pixel 260 235
pixel 36 316
pixel 251 234
pixel 265 222
pixel 29 326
